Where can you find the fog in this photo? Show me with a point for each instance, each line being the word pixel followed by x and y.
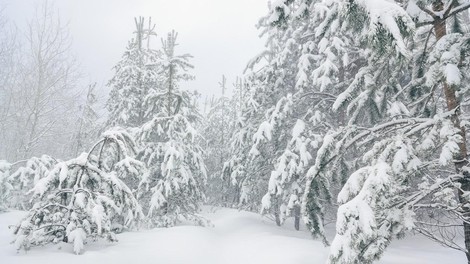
pixel 220 34
pixel 51 51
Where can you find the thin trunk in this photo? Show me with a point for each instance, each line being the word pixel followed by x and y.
pixel 297 217
pixel 236 196
pixel 222 144
pixel 79 136
pixel 276 211
pixel 454 104
pixel 170 90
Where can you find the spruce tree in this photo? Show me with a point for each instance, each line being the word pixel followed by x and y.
pixel 81 200
pixel 303 75
pixel 23 175
pixel 136 80
pixel 173 188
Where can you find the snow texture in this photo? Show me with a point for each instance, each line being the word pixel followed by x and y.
pixel 238 237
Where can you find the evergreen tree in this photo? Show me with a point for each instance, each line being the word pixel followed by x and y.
pixel 135 81
pixel 244 172
pixel 80 200
pixel 303 75
pixel 173 188
pixel 23 175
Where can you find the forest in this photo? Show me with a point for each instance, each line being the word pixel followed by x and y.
pixel 347 130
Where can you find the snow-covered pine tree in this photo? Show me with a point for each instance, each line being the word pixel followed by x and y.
pixel 23 175
pixel 136 80
pixel 80 199
pixel 404 112
pixel 173 189
pixel 237 166
pixel 280 76
pixel 256 145
pixel 306 74
pixel 136 87
pixel 116 153
pixel 254 151
pixel 246 173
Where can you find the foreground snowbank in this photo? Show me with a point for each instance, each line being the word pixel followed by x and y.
pixel 238 237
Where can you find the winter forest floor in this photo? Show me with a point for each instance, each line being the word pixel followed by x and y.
pixel 238 237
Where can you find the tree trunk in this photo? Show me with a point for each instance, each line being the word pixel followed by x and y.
pixel 297 217
pixel 276 211
pixel 453 104
pixel 170 89
pixel 236 196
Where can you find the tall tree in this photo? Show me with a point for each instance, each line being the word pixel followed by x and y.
pixel 248 176
pixel 177 173
pixel 136 80
pixel 301 76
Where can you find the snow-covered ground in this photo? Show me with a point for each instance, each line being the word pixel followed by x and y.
pixel 238 237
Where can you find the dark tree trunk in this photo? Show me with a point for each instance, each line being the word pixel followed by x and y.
pixel 236 195
pixel 297 217
pixel 453 104
pixel 276 211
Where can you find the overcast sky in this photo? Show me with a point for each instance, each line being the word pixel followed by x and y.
pixel 220 34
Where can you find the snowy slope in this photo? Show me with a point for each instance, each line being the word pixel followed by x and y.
pixel 238 237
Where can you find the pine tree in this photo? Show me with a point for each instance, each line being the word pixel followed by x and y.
pixel 303 75
pixel 235 165
pixel 243 171
pixel 23 175
pixel 135 81
pixel 80 199
pixel 173 189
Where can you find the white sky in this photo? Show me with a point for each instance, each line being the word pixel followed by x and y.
pixel 220 34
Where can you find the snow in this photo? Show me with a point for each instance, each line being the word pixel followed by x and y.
pixel 397 109
pixel 452 74
pixel 353 185
pixel 450 134
pixel 387 14
pixel 412 9
pixel 77 236
pixel 238 237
